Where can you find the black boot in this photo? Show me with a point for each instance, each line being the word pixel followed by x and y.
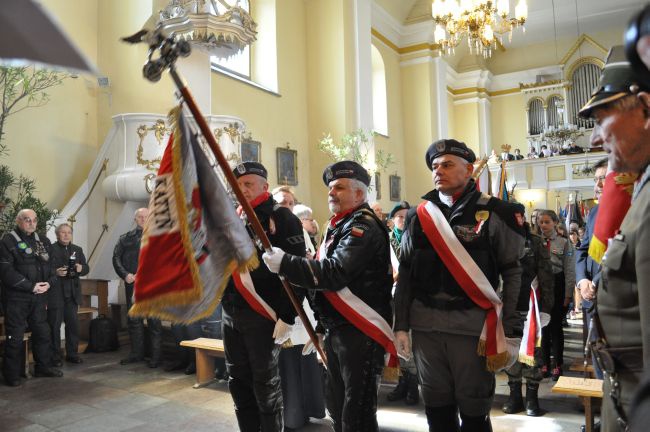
pixel 272 422
pixel 399 392
pixel 412 391
pixel 248 420
pixel 515 402
pixel 442 419
pixel 532 403
pixel 475 423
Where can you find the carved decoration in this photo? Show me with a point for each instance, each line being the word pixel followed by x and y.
pixel 160 130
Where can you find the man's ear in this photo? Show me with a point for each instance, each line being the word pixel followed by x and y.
pixel 644 97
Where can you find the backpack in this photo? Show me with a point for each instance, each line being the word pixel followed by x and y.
pixel 102 335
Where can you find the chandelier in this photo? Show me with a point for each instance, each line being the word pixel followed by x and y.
pixel 482 21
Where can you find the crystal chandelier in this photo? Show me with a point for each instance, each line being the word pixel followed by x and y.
pixel 562 135
pixel 482 21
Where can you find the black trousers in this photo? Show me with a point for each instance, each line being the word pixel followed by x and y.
pixel 66 314
pixel 252 362
pixel 354 366
pixel 19 314
pixel 553 333
pixel 136 332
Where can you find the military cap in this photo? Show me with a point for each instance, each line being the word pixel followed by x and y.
pixel 449 146
pixel 404 205
pixel 346 169
pixel 617 80
pixel 245 168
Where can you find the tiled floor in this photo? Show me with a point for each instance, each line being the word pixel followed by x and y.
pixel 100 395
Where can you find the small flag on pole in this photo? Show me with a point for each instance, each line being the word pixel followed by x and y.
pixel 612 208
pixel 193 239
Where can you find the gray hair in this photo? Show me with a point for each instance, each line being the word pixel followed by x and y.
pixel 64 224
pixel 359 185
pixel 135 215
pixel 21 214
pixel 302 211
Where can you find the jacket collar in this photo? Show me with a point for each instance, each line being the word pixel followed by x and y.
pixel 459 204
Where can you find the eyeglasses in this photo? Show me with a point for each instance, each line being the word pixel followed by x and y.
pixel 29 220
pixel 599 179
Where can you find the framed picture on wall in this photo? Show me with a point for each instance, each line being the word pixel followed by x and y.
pixel 378 185
pixel 250 151
pixel 287 164
pixel 395 183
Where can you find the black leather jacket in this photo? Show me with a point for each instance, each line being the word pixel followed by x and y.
pixel 22 266
pixel 358 257
pixel 126 253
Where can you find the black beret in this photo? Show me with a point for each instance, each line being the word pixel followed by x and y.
pixel 449 146
pixel 245 168
pixel 346 169
pixel 404 205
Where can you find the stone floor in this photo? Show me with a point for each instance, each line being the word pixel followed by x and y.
pixel 100 395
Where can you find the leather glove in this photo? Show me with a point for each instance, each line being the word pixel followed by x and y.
pixel 544 319
pixel 513 345
pixel 403 345
pixel 273 260
pixel 281 332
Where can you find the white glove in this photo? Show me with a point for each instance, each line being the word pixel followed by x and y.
pixel 281 332
pixel 544 319
pixel 513 345
pixel 273 260
pixel 308 348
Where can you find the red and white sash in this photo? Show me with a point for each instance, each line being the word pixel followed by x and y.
pixel 362 316
pixel 471 279
pixel 245 287
pixel 532 337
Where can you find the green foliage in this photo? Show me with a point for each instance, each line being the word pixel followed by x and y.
pixel 355 146
pixel 22 88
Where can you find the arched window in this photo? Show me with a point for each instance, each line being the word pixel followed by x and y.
pixel 379 101
pixel 555 111
pixel 584 80
pixel 535 116
pixel 239 64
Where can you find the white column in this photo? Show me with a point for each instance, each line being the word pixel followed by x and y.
pixel 196 70
pixel 363 63
pixel 439 87
pixel 484 126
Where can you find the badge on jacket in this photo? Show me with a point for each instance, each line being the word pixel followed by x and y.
pixel 22 245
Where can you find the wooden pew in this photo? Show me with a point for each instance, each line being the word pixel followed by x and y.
pixel 578 366
pixel 206 350
pixel 586 388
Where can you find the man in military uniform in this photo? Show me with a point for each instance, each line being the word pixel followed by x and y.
pixel 26 272
pixel 125 263
pixel 536 265
pixel 257 312
pixel 444 319
pixel 353 271
pixel 621 106
pixel 65 294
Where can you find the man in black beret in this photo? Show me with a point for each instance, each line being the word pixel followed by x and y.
pixel 257 312
pixel 349 285
pixel 455 247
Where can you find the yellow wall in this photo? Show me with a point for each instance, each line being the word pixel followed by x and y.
pixel 466 125
pixel 508 120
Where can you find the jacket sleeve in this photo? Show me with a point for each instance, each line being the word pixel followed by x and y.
pixel 403 294
pixel 292 241
pixel 569 269
pixel 346 263
pixel 10 277
pixel 545 278
pixel 508 246
pixel 582 253
pixel 81 259
pixel 642 264
pixel 117 260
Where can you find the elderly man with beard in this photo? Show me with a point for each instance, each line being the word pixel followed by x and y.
pixel 621 108
pixel 352 274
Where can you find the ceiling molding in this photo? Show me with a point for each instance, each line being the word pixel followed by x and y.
pixel 576 46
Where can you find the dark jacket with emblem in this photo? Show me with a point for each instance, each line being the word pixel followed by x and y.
pixel 66 286
pixel 357 257
pixel 21 267
pixel 127 252
pixel 286 233
pixel 428 298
